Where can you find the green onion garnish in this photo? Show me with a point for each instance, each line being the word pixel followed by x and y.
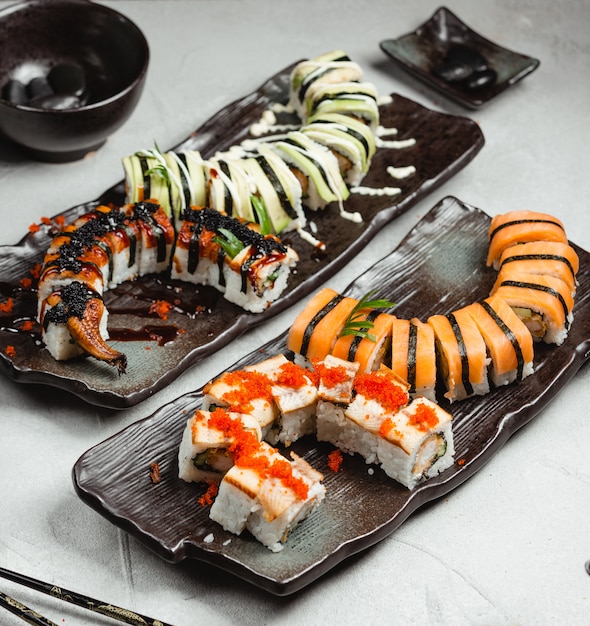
pixel 229 242
pixel 360 327
pixel 262 217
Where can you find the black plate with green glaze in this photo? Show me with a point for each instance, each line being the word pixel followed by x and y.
pixel 158 351
pixel 438 268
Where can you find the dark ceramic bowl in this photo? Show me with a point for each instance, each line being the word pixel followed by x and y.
pixel 108 56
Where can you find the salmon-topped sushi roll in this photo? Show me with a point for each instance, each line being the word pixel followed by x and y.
pixel 521 227
pixel 316 329
pixel 509 342
pixel 413 356
pixel 461 355
pixel 552 258
pixel 371 347
pixel 544 303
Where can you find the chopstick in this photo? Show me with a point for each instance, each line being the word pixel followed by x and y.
pixel 24 612
pixel 91 604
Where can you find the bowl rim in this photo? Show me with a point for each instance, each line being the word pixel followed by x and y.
pixel 24 4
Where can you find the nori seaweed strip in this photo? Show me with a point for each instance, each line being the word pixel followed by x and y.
pixel 511 337
pixel 355 95
pixel 354 345
pixel 277 185
pixel 412 355
pixel 314 75
pixel 147 188
pixel 527 221
pixel 537 287
pixel 144 212
pixel 539 257
pixel 316 319
pixel 186 188
pixel 350 131
pixel 220 261
pixel 228 203
pixel 463 353
pixel 308 156
pixel 194 248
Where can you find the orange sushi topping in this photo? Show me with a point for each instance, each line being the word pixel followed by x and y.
pixel 7 306
pixel 381 388
pixel 246 387
pixel 161 308
pixel 385 427
pixel 330 376
pixel 335 460
pixel 245 449
pixel 424 418
pixel 291 375
pixel 207 498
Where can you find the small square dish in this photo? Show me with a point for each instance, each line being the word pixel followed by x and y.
pixel 449 56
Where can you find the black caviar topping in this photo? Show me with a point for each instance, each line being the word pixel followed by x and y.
pixel 74 298
pixel 144 210
pixel 214 220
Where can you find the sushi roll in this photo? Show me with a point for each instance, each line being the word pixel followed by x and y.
pixel 251 270
pixel 508 341
pixel 209 441
pixel 371 348
pixel 517 227
pixel 350 139
pixel 316 329
pixel 544 303
pixel 268 495
pixel 354 428
pixel 246 392
pixel 461 355
pixel 156 235
pixel 318 168
pixel 229 188
pixel 332 68
pixel 416 443
pixel 335 379
pixel 295 394
pixel 74 322
pixel 413 356
pixel 551 258
pixel 359 100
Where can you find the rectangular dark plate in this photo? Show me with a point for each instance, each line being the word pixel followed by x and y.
pixel 444 144
pixel 445 250
pixel 425 48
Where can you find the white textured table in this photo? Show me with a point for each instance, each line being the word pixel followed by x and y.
pixel 507 547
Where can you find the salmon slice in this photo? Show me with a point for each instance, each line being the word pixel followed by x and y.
pixel 508 341
pixel 413 356
pixel 520 227
pixel 461 353
pixel 370 351
pixel 552 258
pixel 316 328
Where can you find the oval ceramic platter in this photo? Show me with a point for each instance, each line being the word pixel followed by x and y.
pixel 421 51
pixel 447 248
pixel 436 144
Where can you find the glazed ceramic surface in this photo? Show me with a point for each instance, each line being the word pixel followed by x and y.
pixel 422 51
pixel 447 248
pixel 202 322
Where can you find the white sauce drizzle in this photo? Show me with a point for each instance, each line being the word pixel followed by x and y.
pixel 376 191
pixel 400 173
pixel 384 99
pixel 382 131
pixel 395 145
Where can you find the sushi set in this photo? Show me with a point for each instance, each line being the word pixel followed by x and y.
pixel 449 246
pixel 429 147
